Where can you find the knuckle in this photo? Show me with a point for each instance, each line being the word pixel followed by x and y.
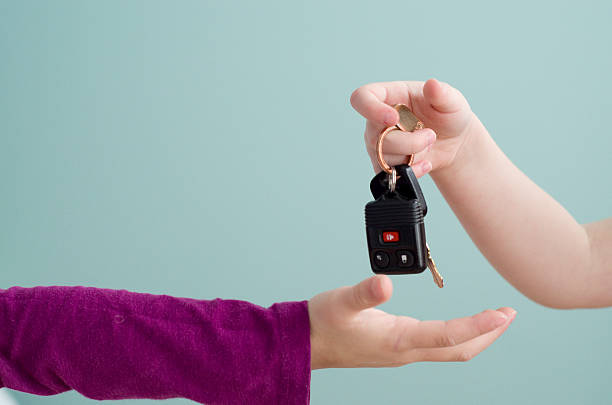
pixel 446 337
pixel 358 298
pixel 400 342
pixel 444 340
pixel 464 356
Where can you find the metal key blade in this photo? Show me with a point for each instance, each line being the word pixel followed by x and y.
pixel 407 120
pixel 434 270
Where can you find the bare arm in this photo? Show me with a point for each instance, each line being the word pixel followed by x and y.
pixel 525 234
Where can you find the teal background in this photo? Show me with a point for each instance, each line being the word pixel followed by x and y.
pixel 208 149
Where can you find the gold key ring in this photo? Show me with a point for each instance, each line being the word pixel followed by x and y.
pixel 407 122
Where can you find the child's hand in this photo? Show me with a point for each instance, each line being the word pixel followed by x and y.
pixel 442 108
pixel 346 331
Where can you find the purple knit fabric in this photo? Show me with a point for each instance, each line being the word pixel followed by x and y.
pixel 109 344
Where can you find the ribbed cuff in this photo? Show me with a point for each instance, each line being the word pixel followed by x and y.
pixel 294 331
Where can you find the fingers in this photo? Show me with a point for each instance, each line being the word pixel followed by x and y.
pixel 367 294
pixel 442 97
pixel 436 334
pixel 375 100
pixel 469 349
pixel 408 143
pixel 420 168
pixel 369 101
pixel 398 145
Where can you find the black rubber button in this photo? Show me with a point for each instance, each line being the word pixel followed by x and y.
pixel 405 258
pixel 381 259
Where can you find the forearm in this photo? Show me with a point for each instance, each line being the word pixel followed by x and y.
pixel 110 344
pixel 525 234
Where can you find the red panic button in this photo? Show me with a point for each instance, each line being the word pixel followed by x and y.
pixel 390 236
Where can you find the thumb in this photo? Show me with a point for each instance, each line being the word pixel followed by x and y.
pixel 442 97
pixel 369 293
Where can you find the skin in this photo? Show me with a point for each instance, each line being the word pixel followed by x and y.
pixel 355 334
pixel 528 237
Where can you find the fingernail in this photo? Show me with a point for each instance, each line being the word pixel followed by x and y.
pixel 500 320
pixel 426 166
pixel 390 118
pixel 431 137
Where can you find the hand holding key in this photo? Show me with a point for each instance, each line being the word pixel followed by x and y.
pixel 347 331
pixel 443 109
pixel 394 221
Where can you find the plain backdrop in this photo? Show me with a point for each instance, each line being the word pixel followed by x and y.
pixel 208 149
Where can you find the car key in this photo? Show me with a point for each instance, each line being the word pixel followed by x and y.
pixel 434 269
pixel 395 225
pixel 405 251
pixel 396 235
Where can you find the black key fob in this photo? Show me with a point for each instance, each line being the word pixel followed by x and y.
pixel 394 225
pixel 407 185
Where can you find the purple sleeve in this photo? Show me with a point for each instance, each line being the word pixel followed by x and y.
pixel 109 344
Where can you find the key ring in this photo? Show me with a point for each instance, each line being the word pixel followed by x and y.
pixel 408 122
pixel 392 180
pixel 379 153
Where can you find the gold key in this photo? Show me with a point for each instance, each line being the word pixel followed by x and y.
pixel 407 120
pixel 434 270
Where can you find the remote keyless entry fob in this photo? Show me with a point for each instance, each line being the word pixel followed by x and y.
pixel 394 224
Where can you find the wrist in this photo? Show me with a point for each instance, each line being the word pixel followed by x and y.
pixel 317 347
pixel 468 151
pixel 315 351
